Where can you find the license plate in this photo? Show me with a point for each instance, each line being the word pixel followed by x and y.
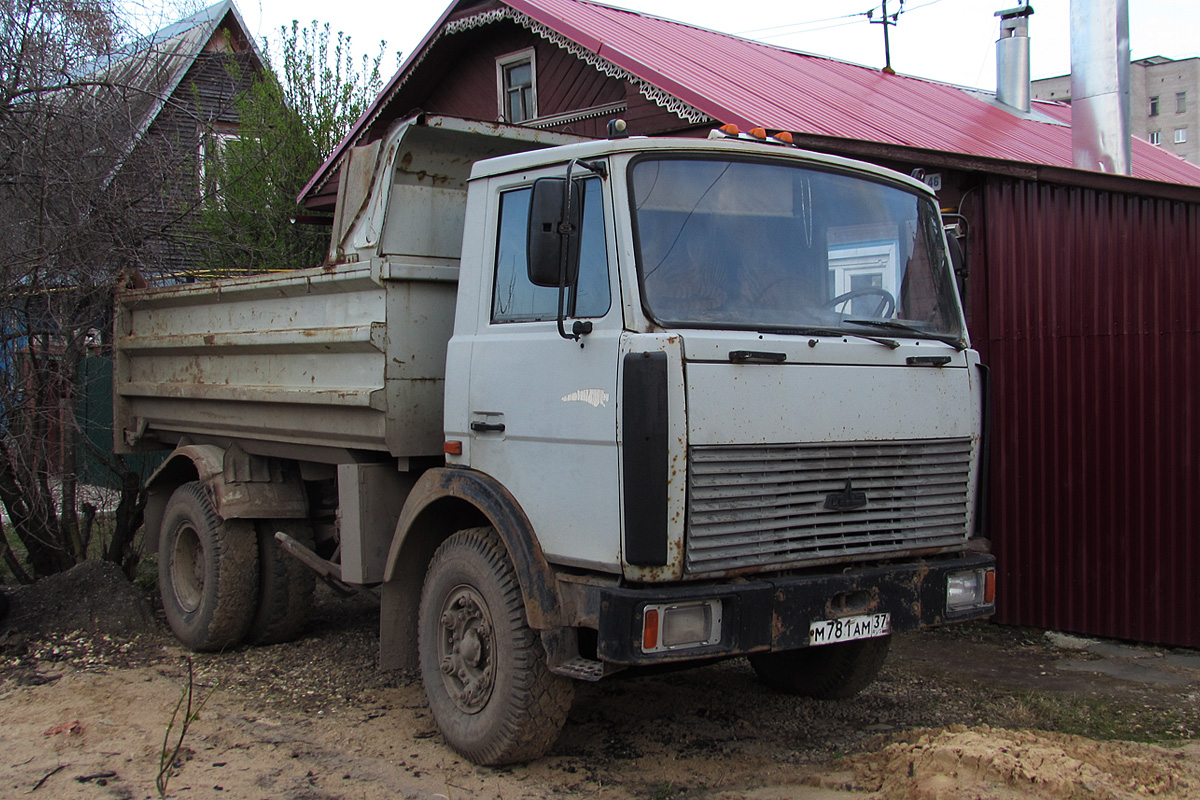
pixel 847 629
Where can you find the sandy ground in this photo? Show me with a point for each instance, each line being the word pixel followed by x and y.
pixel 89 735
pixel 970 716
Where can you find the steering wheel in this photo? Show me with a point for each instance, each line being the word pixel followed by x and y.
pixel 887 303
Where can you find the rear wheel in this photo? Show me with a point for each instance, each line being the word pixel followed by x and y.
pixel 483 667
pixel 207 571
pixel 286 586
pixel 826 672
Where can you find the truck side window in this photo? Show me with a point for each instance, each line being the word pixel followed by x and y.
pixel 514 298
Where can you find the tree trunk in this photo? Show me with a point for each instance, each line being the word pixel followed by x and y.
pixel 128 518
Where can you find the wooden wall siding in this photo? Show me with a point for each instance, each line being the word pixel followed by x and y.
pixel 170 149
pixel 1094 346
pixel 564 83
pixel 466 85
pixel 647 118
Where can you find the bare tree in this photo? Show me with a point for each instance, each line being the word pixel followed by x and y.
pixel 82 204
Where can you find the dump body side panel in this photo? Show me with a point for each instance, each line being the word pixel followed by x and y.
pixel 326 360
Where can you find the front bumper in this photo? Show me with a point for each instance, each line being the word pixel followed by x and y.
pixel 762 614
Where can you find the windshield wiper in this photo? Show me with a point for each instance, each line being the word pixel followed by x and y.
pixel 893 325
pixel 892 343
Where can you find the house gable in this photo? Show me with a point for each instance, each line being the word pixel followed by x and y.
pixel 568 90
pixel 204 64
pixel 454 73
pixel 577 92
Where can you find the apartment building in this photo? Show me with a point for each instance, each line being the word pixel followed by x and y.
pixel 1164 102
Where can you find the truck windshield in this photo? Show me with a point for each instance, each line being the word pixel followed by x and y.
pixel 765 245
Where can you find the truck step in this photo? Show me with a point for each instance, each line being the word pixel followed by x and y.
pixel 583 669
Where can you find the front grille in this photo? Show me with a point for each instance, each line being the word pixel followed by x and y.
pixel 765 506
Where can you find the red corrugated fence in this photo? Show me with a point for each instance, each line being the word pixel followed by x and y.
pixel 1092 333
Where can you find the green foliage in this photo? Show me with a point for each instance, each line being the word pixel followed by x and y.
pixel 327 91
pixel 289 123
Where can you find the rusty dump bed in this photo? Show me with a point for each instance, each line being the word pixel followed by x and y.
pixel 334 364
pixel 320 363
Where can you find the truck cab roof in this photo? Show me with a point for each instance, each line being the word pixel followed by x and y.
pixel 724 145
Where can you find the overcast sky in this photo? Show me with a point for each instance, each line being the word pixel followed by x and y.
pixel 948 40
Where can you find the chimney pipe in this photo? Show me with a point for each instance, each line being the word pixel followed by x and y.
pixel 1100 85
pixel 1012 57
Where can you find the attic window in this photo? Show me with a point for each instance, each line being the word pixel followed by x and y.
pixel 213 144
pixel 517 92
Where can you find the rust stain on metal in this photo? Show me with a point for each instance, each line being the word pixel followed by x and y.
pixel 850 604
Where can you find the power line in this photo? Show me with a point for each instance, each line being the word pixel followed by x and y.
pixel 799 24
pixel 812 30
pixel 851 19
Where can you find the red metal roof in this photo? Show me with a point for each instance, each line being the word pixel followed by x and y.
pixel 753 84
pixel 749 83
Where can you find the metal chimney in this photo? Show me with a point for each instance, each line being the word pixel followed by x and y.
pixel 1012 57
pixel 1100 85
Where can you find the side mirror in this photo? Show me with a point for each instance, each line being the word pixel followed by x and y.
pixel 548 236
pixel 958 258
pixel 958 261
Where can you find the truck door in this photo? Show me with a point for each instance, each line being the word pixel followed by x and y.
pixel 542 409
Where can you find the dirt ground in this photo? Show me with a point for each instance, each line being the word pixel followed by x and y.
pixel 982 713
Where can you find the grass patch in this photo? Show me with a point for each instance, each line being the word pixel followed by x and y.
pixel 1092 717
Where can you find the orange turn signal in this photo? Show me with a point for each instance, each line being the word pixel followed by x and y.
pixel 452 448
pixel 989 587
pixel 650 629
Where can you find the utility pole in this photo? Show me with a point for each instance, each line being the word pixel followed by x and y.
pixel 887 22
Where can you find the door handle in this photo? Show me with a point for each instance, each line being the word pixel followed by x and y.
pixel 484 427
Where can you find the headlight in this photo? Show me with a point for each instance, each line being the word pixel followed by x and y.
pixel 973 589
pixel 677 626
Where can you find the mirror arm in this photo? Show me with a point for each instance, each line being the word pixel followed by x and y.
pixel 566 229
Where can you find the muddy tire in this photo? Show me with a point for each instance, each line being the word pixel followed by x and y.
pixel 207 571
pixel 484 669
pixel 285 588
pixel 827 672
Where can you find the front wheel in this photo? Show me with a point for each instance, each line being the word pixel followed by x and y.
pixel 207 571
pixel 825 672
pixel 483 667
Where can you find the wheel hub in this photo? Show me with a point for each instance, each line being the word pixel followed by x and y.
pixel 187 568
pixel 466 650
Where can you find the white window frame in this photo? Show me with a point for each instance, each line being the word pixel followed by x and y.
pixel 1180 135
pixel 845 263
pixel 1153 106
pixel 213 142
pixel 1154 137
pixel 509 60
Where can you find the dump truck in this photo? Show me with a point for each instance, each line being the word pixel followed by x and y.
pixel 573 408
